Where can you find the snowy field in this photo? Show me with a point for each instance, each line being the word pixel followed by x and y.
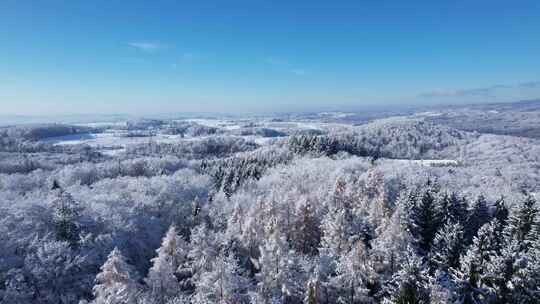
pixel 114 140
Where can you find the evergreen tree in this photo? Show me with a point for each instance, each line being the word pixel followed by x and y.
pixel 390 247
pixel 353 273
pixel 272 264
pixel 410 284
pixel 528 278
pixel 501 273
pixel 66 217
pixel 443 206
pixel 424 221
pixel 117 281
pixel 313 291
pixel 161 277
pixel 223 284
pixel 307 234
pixel 501 211
pixel 447 246
pixel 337 230
pixel 57 272
pixel 500 215
pixel 452 208
pixel 203 250
pixel 339 197
pixel 441 289
pixel 522 220
pixel 471 277
pixel 514 274
pixel 228 184
pixel 279 274
pixel 478 216
pixel 378 210
pixel 296 278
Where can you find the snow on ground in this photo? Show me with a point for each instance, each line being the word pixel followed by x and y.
pixel 103 124
pixel 73 139
pixel 215 123
pixel 113 152
pixel 279 126
pixel 114 142
pixel 336 114
pixel 309 126
pixel 429 114
pixel 428 162
pixel 108 139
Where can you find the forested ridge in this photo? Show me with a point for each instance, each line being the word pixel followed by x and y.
pixel 344 215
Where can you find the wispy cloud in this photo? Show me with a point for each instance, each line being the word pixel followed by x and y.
pixel 298 71
pixel 278 62
pixel 530 84
pixel 274 61
pixel 189 57
pixel 488 91
pixel 133 60
pixel 186 58
pixel 146 46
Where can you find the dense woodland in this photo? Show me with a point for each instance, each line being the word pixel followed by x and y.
pixel 347 214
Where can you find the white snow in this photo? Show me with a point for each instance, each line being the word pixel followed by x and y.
pixel 428 162
pixel 103 124
pixel 429 114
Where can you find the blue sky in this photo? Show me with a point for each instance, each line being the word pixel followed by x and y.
pixel 59 57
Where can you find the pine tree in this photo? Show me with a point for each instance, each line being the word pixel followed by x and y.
pixel 66 217
pixel 501 211
pixel 378 210
pixel 447 246
pixel 117 281
pixel 203 250
pixel 161 277
pixel 339 196
pixel 478 216
pixel 424 221
pixel 307 234
pixel 228 184
pixel 296 278
pixel 281 276
pixel 528 277
pixel 353 273
pixel 501 271
pixel 471 277
pixel 313 291
pixel 522 220
pixel 223 284
pixel 56 270
pixel 390 247
pixel 444 208
pixel 336 231
pixel 514 274
pixel 410 284
pixel 441 289
pixel 273 265
pixel 500 215
pixel 452 208
pixel 458 209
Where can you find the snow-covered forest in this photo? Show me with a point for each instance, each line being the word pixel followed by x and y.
pixel 311 209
